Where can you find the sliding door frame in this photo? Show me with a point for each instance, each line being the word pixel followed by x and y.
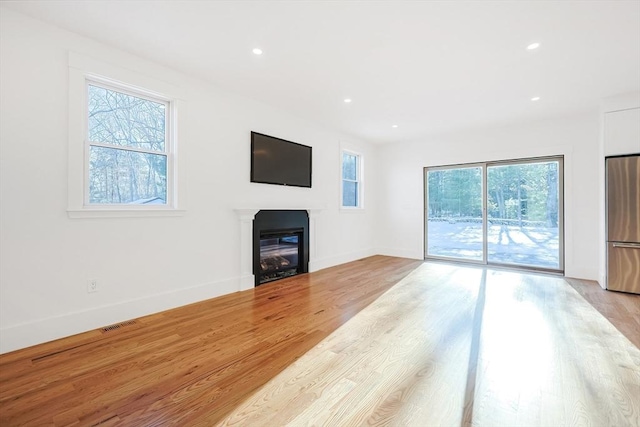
pixel 485 241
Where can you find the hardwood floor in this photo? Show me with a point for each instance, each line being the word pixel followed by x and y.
pixel 621 309
pixel 381 341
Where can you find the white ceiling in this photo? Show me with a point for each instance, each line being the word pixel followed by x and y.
pixel 428 67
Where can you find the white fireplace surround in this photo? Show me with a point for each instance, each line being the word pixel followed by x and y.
pixel 246 215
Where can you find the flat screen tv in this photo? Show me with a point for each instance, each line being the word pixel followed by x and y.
pixel 276 161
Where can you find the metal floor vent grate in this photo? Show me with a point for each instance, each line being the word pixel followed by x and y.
pixel 117 326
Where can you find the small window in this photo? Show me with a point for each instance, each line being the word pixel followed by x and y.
pixel 351 181
pixel 127 147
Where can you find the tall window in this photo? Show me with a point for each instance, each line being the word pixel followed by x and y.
pixel 351 180
pixel 128 147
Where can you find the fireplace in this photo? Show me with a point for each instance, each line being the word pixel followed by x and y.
pixel 280 244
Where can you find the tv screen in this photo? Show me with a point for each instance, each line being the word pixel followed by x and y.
pixel 276 161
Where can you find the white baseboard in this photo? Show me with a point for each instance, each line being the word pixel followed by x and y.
pixel 52 328
pixel 583 273
pixel 48 329
pixel 247 282
pixel 400 253
pixel 326 262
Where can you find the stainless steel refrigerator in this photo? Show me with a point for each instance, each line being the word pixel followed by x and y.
pixel 623 223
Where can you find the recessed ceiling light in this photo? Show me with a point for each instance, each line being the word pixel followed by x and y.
pixel 533 46
pixel 257 51
pixel 347 100
pixel 394 126
pixel 535 98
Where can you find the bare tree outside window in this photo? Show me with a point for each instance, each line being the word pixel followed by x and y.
pixel 127 148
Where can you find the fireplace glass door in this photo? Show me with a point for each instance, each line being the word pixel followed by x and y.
pixel 278 255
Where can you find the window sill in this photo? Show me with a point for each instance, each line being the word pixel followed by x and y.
pixel 124 213
pixel 352 210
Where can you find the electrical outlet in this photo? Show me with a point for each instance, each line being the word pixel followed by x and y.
pixel 92 285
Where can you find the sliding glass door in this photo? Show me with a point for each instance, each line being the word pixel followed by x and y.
pixel 455 213
pixel 523 214
pixel 507 213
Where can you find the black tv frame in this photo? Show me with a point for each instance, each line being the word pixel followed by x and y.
pixel 252 178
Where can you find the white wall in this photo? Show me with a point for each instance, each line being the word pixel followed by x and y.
pixel 622 132
pixel 401 195
pixel 144 265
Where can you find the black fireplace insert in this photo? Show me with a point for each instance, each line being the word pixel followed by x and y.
pixel 280 244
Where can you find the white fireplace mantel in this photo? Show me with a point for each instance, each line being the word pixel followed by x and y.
pixel 246 215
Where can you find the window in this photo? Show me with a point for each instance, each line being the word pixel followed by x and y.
pixel 127 147
pixel 351 180
pixel 123 132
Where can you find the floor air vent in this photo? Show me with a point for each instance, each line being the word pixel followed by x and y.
pixel 117 326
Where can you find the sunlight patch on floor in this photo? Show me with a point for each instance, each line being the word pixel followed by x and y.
pixel 405 359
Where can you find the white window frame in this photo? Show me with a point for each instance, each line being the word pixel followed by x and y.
pixel 168 142
pixel 84 71
pixel 359 181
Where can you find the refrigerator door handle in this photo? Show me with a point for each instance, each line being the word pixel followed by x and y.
pixel 627 245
